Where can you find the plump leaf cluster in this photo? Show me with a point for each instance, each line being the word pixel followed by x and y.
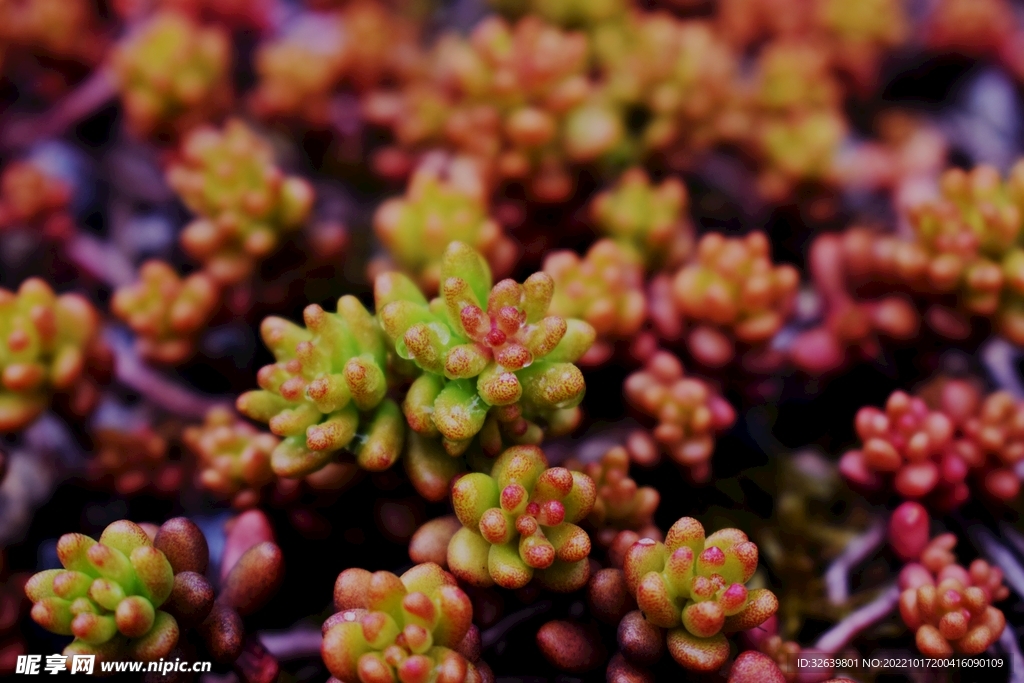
pixel 108 595
pixel 413 629
pixel 494 361
pixel 32 198
pixel 244 201
pixel 949 607
pixel 234 457
pixel 680 73
pixel 514 96
pixel 166 312
pixel 130 460
pixel 935 453
pixel 327 391
pixel 172 74
pixel 620 502
pixel 520 523
pixel 434 212
pixel 645 218
pixel 688 411
pixel 733 291
pixel 50 345
pixel 605 288
pixel 362 44
pixel 694 586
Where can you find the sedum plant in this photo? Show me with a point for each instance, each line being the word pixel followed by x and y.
pixel 51 346
pixel 694 586
pixel 32 198
pixel 245 203
pixel 620 502
pixel 645 218
pixel 949 607
pixel 435 211
pixel 172 74
pixel 327 391
pixel 494 361
pixel 519 524
pixel 689 412
pixel 234 457
pixel 108 595
pixel 166 311
pixel 680 74
pixel 414 628
pixel 604 288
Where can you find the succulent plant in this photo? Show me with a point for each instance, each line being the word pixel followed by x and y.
pixel 108 595
pixel 519 524
pixel 604 288
pixel 694 586
pixel 514 96
pixel 949 607
pixel 132 460
pixel 52 345
pixel 908 441
pixel 234 457
pixel 860 32
pixel 52 29
pixel 32 198
pixel 361 45
pixel 417 627
pixel 244 202
pixel 435 211
pixel 645 218
pixel 166 311
pixel 732 293
pixel 681 74
pixel 172 74
pixel 993 440
pixel 620 502
pixel 493 361
pixel 688 411
pixel 327 391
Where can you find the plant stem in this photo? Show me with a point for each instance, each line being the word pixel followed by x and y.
pixel 837 577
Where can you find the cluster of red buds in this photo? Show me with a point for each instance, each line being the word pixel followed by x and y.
pixel 172 74
pixel 693 587
pixel 949 607
pixel 933 452
pixel 520 524
pixel 245 203
pixel 361 45
pixel 689 414
pixel 32 199
pixel 852 325
pixel 165 311
pixel 414 628
pixel 730 297
pixel 52 346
